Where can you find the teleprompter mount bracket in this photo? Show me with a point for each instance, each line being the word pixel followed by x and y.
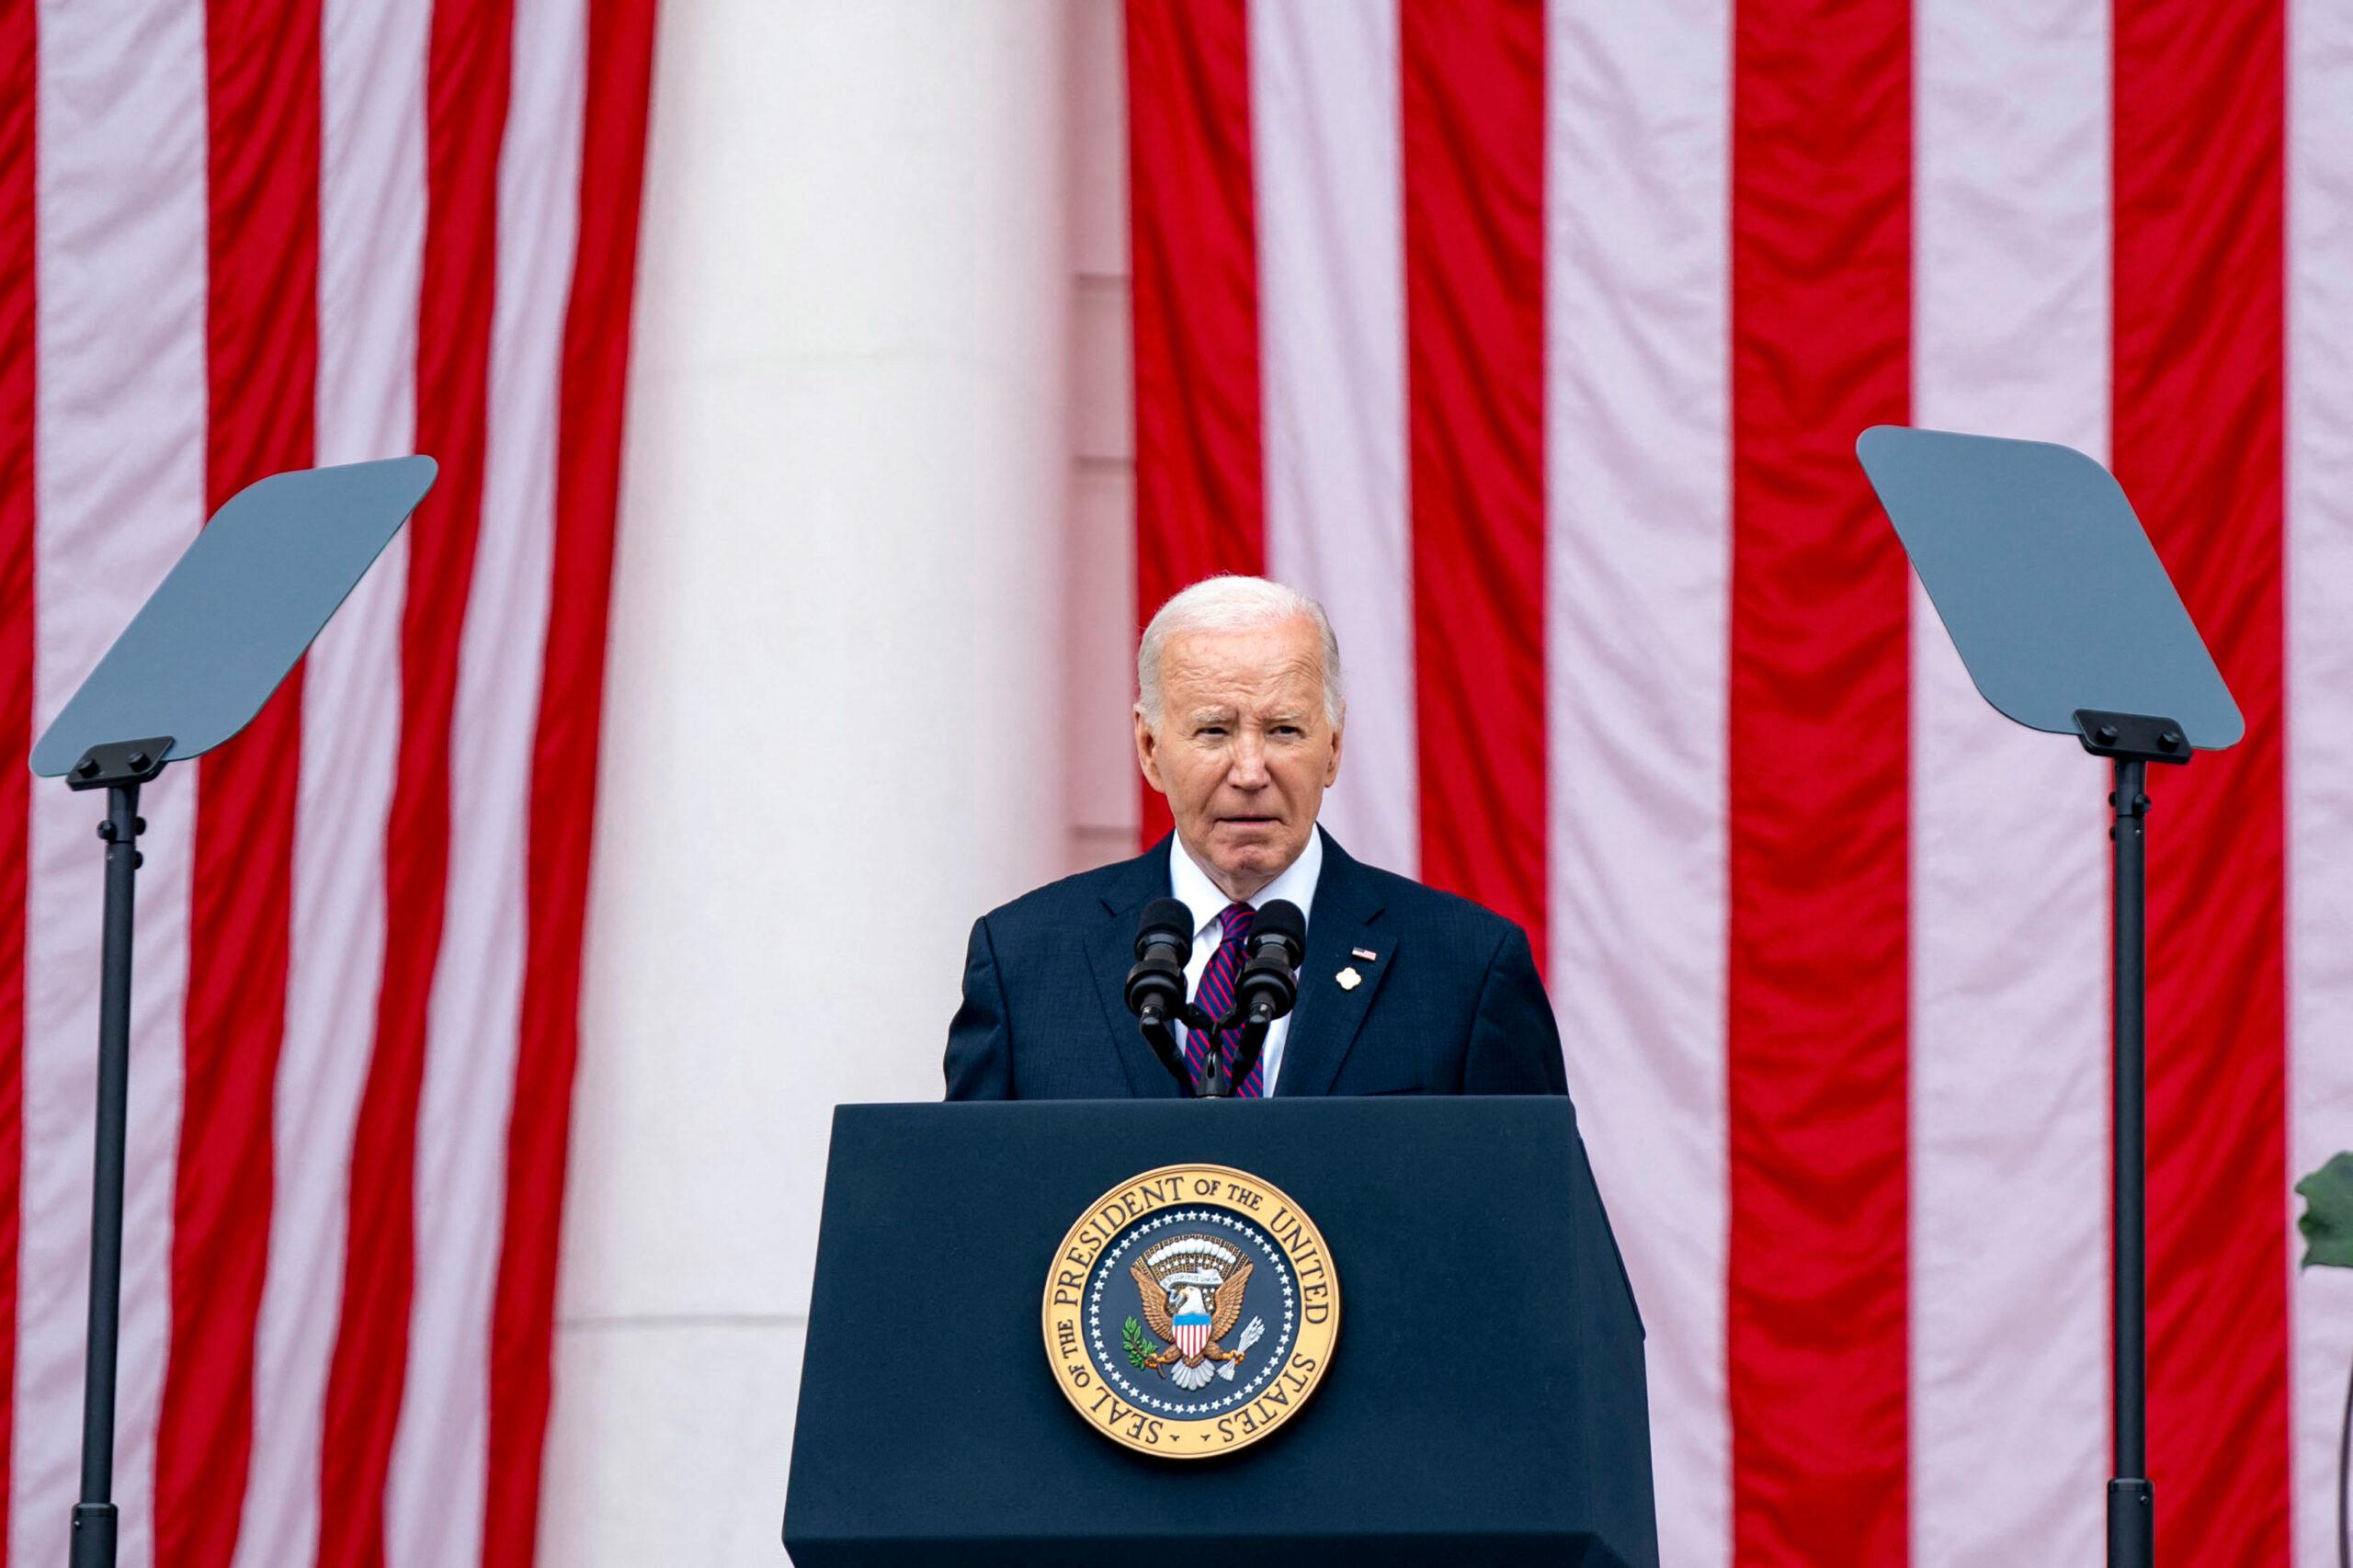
pixel 120 761
pixel 2132 737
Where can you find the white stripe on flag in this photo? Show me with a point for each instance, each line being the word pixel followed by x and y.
pixel 120 493
pixel 2009 922
pixel 1330 179
pixel 371 220
pixel 2319 567
pixel 435 1487
pixel 1638 493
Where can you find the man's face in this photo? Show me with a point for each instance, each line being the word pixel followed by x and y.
pixel 1244 751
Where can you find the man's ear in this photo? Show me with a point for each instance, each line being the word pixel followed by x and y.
pixel 1148 751
pixel 1332 764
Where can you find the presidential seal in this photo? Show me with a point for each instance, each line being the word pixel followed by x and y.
pixel 1190 1312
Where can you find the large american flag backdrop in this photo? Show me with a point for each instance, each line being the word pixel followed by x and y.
pixel 1534 340
pixel 238 237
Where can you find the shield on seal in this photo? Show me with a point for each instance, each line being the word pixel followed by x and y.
pixel 1192 1334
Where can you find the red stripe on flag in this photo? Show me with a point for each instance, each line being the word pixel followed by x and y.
pixel 467 79
pixel 2199 105
pixel 20 84
pixel 563 770
pixel 1472 125
pixel 1817 1341
pixel 261 321
pixel 1199 474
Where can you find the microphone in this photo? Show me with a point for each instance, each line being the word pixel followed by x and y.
pixel 1155 985
pixel 1268 986
pixel 1155 988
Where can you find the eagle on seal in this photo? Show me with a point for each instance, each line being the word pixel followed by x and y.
pixel 1206 1306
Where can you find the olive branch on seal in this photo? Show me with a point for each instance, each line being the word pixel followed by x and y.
pixel 1141 1346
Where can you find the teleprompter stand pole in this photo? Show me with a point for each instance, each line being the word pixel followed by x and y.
pixel 2131 742
pixel 118 769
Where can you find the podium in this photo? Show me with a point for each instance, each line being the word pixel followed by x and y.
pixel 1483 1400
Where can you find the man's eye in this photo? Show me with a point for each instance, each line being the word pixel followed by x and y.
pixel 1211 730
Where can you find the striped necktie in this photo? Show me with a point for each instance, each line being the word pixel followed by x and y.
pixel 1215 994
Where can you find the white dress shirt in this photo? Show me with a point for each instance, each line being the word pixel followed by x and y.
pixel 1191 885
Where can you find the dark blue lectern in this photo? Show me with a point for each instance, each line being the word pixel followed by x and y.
pixel 1485 1401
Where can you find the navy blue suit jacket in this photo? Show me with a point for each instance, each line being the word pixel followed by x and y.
pixel 1450 1003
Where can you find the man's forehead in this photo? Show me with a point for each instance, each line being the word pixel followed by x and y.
pixel 1247 659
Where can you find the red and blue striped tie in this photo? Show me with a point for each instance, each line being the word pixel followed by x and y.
pixel 1215 994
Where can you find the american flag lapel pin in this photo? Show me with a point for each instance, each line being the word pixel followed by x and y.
pixel 1365 953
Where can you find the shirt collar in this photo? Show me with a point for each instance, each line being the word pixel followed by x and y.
pixel 1191 885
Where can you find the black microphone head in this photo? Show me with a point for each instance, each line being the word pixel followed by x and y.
pixel 1268 988
pixel 1155 988
pixel 1279 920
pixel 1164 920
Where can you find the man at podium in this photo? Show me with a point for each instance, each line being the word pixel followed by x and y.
pixel 1402 990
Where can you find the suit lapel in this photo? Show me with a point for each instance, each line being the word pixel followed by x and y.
pixel 1111 953
pixel 1329 1015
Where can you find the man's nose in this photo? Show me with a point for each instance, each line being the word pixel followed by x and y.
pixel 1249 761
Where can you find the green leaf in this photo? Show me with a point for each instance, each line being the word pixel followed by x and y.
pixel 2328 1219
pixel 1141 1346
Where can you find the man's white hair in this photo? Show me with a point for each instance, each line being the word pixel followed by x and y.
pixel 1226 602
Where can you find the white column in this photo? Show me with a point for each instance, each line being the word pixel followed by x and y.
pixel 831 731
